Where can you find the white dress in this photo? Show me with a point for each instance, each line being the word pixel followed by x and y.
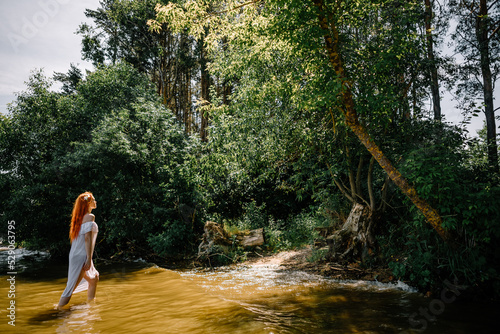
pixel 77 259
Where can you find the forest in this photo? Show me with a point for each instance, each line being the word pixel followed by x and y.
pixel 274 114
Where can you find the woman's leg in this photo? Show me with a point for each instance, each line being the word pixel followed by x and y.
pixel 65 300
pixel 92 286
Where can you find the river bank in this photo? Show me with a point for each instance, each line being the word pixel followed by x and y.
pixel 289 261
pixel 306 260
pixel 302 259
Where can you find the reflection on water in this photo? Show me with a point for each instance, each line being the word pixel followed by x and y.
pixel 137 298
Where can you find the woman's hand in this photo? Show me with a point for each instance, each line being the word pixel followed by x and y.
pixel 87 264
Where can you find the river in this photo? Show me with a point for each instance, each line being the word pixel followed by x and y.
pixel 262 297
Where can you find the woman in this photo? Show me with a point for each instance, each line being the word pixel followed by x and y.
pixel 83 234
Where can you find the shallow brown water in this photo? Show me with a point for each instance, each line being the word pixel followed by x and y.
pixel 261 298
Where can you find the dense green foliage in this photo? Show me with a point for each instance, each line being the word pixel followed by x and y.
pixel 111 137
pixel 443 170
pixel 279 154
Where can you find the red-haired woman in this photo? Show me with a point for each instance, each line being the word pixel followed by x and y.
pixel 83 233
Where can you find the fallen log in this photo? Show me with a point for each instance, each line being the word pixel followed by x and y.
pixel 253 238
pixel 215 239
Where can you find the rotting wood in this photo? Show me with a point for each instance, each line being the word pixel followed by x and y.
pixel 254 238
pixel 354 239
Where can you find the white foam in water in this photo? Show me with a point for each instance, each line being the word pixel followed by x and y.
pixel 377 286
pixel 405 287
pixel 271 275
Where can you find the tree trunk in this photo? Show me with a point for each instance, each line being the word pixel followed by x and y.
pixel 436 101
pixel 354 240
pixel 352 120
pixel 205 91
pixel 214 236
pixel 489 111
pixel 189 118
pixel 369 183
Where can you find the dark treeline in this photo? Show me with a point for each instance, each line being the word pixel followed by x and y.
pixel 274 114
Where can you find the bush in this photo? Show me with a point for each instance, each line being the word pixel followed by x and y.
pixel 468 203
pixel 112 137
pixel 173 239
pixel 254 216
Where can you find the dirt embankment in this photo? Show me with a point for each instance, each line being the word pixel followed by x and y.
pixel 300 260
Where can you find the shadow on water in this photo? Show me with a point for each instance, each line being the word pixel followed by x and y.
pixel 47 315
pixel 296 302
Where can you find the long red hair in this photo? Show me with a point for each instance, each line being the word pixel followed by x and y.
pixel 80 208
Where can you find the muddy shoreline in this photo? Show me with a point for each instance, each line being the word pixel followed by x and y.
pixel 294 260
pixel 300 260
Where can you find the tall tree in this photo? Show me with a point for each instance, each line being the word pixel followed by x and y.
pixel 332 44
pixel 69 80
pixel 436 99
pixel 205 83
pixel 315 29
pixel 478 42
pixel 174 61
